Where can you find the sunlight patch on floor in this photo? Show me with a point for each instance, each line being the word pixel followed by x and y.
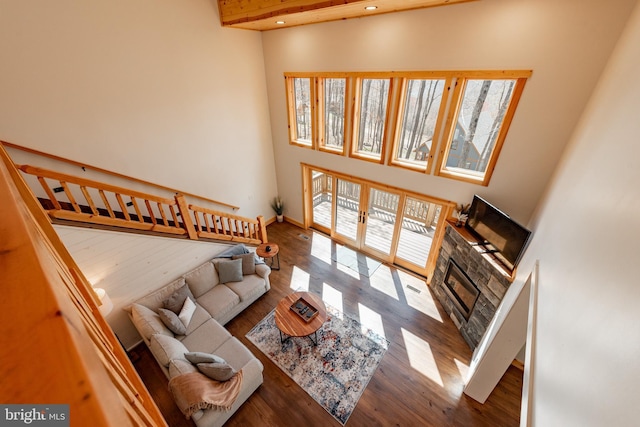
pixel 299 280
pixel 333 297
pixel 370 319
pixel 347 270
pixel 382 280
pixel 321 247
pixel 420 357
pixel 463 368
pixel 422 301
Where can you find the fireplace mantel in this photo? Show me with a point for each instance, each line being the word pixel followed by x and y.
pixel 490 277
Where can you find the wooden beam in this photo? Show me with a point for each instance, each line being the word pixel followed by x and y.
pixel 262 15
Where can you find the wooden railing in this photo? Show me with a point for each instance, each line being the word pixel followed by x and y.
pixel 418 210
pixel 55 315
pixel 73 198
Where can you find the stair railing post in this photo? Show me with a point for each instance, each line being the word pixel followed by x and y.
pixel 186 217
pixel 263 229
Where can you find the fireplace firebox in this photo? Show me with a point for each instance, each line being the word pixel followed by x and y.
pixel 461 290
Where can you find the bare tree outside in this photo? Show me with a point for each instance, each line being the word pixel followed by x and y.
pixel 302 94
pixel 480 118
pixel 422 102
pixel 334 102
pixel 373 111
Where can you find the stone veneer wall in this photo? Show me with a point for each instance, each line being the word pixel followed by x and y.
pixel 491 280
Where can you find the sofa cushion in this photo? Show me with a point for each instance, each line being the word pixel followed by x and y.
pixel 202 279
pixel 196 357
pixel 172 321
pixel 207 337
pixel 166 348
pixel 175 302
pixel 199 317
pixel 235 353
pixel 179 367
pixel 217 371
pixel 230 270
pixel 251 286
pixel 147 322
pixel 248 263
pixel 219 301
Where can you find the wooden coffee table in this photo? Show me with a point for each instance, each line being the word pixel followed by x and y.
pixel 291 324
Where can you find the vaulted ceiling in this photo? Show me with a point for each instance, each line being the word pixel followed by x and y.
pixel 264 15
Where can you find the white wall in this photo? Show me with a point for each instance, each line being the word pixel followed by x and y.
pixel 587 239
pixel 565 43
pixel 153 89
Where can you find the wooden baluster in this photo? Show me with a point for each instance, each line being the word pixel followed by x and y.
pixel 50 193
pixel 150 210
pixel 137 209
pixel 187 223
pixel 123 206
pixel 89 200
pixel 162 214
pixel 206 222
pixel 106 204
pixel 196 214
pixel 263 229
pixel 72 200
pixel 174 216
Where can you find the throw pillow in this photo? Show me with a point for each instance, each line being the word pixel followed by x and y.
pixel 230 271
pixel 248 263
pixel 217 371
pixel 196 357
pixel 179 367
pixel 176 299
pixel 171 321
pixel 187 311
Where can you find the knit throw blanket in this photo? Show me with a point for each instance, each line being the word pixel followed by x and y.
pixel 195 391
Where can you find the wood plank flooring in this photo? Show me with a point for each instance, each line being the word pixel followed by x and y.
pixel 418 382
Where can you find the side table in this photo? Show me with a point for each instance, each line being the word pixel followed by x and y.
pixel 269 251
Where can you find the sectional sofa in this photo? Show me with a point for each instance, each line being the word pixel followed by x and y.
pixel 219 292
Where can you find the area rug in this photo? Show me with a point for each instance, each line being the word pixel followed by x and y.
pixel 336 371
pixel 356 261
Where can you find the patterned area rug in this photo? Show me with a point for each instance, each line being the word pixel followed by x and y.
pixel 336 372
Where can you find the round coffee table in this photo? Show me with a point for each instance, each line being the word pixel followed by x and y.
pixel 292 325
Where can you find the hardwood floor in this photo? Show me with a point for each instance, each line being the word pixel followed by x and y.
pixel 418 382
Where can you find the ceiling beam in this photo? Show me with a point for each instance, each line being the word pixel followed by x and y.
pixel 263 15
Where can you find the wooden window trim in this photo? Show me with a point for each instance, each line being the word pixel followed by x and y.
pixel 291 110
pixel 400 110
pixel 452 118
pixel 355 122
pixel 320 113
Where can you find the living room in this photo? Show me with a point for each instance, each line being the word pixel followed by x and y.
pixel 163 93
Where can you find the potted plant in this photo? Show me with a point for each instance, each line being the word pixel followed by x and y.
pixel 461 214
pixel 278 207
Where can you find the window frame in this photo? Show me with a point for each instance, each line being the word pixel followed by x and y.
pixel 456 98
pixel 321 113
pixel 400 105
pixel 355 117
pixel 291 109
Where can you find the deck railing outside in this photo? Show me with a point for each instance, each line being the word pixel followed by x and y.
pixel 77 199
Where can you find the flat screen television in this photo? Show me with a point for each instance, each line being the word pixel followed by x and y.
pixel 498 233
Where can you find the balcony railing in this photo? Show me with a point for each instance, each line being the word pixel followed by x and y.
pixel 73 198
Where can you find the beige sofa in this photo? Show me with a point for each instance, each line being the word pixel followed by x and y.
pixel 216 304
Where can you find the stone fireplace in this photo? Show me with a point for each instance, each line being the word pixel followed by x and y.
pixel 469 283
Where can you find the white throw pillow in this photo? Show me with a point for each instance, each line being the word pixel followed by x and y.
pixel 187 311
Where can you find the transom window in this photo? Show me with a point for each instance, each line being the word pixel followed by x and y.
pixel 457 120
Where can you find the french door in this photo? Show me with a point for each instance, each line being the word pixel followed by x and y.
pixel 391 224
